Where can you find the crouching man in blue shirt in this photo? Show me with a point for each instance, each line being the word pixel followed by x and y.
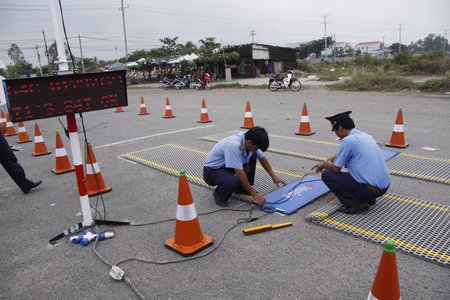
pixel 231 165
pixel 367 178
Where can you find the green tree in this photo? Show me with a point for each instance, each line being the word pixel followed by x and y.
pixel 314 46
pixel 395 46
pixel 15 54
pixel 170 46
pixel 21 66
pixel 187 48
pixel 138 54
pixel 3 73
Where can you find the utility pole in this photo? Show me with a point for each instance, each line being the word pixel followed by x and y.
pixel 47 54
pixel 444 42
pixel 325 23
pixel 63 66
pixel 39 60
pixel 124 30
pixel 81 53
pixel 400 38
pixel 252 33
pixel 117 56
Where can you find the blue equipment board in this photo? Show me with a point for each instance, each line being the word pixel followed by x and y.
pixel 388 154
pixel 293 196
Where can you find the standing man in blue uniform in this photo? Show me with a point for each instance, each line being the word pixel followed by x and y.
pixel 367 178
pixel 231 165
pixel 9 161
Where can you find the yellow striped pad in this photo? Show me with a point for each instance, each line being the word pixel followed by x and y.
pixel 171 158
pixel 422 167
pixel 417 227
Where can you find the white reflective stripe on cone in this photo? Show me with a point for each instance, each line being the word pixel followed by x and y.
pixel 398 128
pixel 186 212
pixel 304 119
pixel 248 114
pixel 60 152
pixel 371 297
pixel 22 129
pixel 2 120
pixel 90 170
pixel 38 139
pixel 142 105
pixel 9 124
pixel 204 110
pixel 168 107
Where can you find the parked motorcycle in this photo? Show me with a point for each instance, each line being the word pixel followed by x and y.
pixel 204 82
pixel 168 82
pixel 277 82
pixel 184 82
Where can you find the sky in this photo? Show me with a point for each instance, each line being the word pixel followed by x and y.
pixel 100 26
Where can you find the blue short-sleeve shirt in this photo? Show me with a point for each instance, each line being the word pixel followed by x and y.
pixel 230 153
pixel 363 158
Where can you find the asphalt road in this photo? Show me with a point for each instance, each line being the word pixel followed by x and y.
pixel 304 261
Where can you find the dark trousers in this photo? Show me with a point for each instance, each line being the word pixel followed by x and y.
pixel 14 169
pixel 226 181
pixel 347 190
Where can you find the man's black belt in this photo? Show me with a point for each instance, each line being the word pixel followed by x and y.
pixel 378 192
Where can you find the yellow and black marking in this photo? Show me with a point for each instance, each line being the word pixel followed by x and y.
pixel 172 158
pixel 417 227
pixel 267 227
pixel 422 167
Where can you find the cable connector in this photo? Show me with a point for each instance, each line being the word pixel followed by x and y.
pixel 116 273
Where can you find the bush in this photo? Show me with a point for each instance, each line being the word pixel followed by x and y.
pixel 436 85
pixel 376 81
pixel 308 67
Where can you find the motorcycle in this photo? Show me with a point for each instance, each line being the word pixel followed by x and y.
pixel 204 83
pixel 168 82
pixel 277 82
pixel 184 82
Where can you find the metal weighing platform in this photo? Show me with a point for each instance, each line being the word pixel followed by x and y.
pixel 432 169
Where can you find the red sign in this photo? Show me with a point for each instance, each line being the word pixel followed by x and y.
pixel 46 97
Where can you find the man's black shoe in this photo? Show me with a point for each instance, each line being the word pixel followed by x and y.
pixel 219 200
pixel 33 185
pixel 372 202
pixel 355 209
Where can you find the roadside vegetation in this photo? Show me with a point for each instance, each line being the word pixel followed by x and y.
pixel 367 73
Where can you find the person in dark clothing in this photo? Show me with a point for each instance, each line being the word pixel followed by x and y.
pixel 231 165
pixel 12 167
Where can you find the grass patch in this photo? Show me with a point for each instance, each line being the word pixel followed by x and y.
pixel 435 85
pixel 378 81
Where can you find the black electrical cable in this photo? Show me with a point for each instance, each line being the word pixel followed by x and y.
pixel 134 288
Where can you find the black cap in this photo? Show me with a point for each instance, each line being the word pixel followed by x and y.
pixel 336 119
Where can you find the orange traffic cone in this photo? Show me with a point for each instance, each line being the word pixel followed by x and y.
pixel 10 130
pixel 118 109
pixel 398 134
pixel 3 118
pixel 204 118
pixel 39 144
pixel 248 120
pixel 23 135
pixel 168 113
pixel 386 285
pixel 94 179
pixel 62 160
pixel 305 127
pixel 188 238
pixel 143 109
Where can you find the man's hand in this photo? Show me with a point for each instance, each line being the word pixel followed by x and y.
pixel 319 167
pixel 259 198
pixel 278 181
